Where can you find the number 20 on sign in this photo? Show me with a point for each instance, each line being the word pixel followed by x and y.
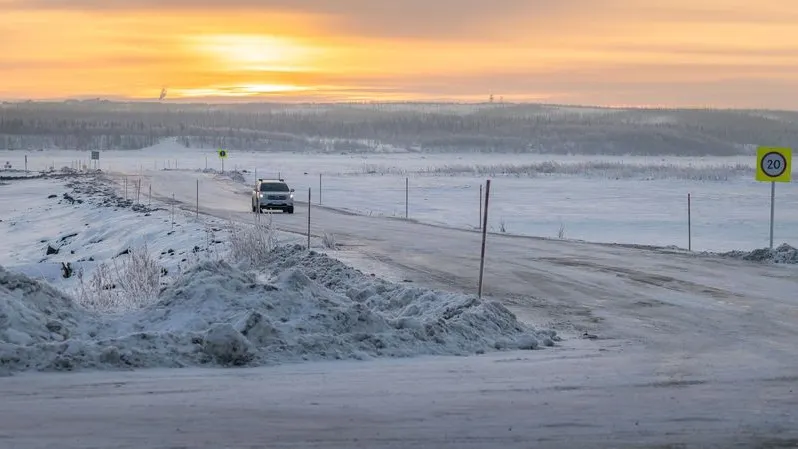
pixel 773 164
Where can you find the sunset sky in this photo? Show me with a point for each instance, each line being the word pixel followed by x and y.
pixel 719 53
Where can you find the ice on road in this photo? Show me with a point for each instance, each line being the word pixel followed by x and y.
pixel 662 297
pixel 567 398
pixel 689 351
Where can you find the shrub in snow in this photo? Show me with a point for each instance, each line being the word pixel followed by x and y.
pixel 251 243
pixel 328 241
pixel 127 282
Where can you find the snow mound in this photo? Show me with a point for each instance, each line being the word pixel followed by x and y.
pixel 33 312
pixel 783 254
pixel 34 316
pixel 236 176
pixel 308 306
pixel 232 175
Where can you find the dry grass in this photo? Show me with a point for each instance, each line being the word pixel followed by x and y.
pixel 252 244
pixel 127 282
pixel 328 241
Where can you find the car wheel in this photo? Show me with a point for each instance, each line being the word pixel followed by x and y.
pixel 290 210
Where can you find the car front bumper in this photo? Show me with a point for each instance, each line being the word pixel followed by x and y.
pixel 275 204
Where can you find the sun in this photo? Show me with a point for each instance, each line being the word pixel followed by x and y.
pixel 254 52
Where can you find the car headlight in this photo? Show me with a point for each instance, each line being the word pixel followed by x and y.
pixel 291 196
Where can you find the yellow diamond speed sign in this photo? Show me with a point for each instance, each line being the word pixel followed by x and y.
pixel 222 154
pixel 773 164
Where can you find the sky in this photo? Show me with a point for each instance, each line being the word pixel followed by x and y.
pixel 693 53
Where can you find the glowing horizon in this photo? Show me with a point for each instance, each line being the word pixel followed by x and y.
pixel 718 53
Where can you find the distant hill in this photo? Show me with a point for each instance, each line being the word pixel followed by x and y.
pixel 380 127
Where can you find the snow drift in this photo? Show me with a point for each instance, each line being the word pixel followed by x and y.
pixel 307 306
pixel 32 312
pixel 784 253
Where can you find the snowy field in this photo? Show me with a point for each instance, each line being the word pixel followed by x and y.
pixel 155 286
pixel 631 200
pixel 329 356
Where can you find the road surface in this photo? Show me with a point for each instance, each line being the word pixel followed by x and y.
pixel 650 295
pixel 691 352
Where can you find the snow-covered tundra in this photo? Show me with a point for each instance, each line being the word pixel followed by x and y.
pixel 574 344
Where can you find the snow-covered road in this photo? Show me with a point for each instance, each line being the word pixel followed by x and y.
pixel 566 398
pixel 692 351
pixel 660 297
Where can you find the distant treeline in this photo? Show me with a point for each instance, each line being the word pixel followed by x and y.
pixel 519 128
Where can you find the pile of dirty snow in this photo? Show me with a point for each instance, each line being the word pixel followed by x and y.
pixel 307 307
pixel 232 175
pixel 782 254
pixel 34 315
pixel 33 312
pixel 236 176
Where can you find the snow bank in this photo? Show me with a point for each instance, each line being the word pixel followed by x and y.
pixel 80 222
pixel 232 175
pixel 236 176
pixel 33 312
pixel 307 306
pixel 782 254
pixel 36 321
pixel 99 190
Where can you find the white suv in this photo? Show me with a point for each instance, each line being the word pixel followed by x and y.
pixel 272 194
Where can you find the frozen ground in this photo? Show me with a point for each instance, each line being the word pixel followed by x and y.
pixel 308 307
pixel 190 302
pixel 576 280
pixel 679 350
pixel 567 398
pixel 633 200
pixel 76 220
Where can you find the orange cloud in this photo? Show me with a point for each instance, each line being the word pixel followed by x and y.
pixel 570 51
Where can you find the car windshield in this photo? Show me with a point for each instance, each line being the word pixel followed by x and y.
pixel 273 187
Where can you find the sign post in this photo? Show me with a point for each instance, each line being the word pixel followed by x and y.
pixel 222 157
pixel 689 225
pixel 484 238
pixel 95 156
pixel 773 164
